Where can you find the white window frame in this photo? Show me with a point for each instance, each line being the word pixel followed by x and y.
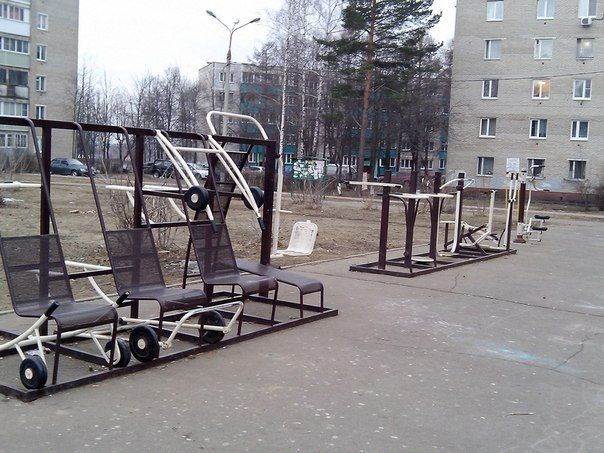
pixel 42 52
pixel 487 85
pixel 587 89
pixel 580 47
pixel 488 128
pixel 577 129
pixel 572 169
pixel 495 10
pixel 42 22
pixel 40 108
pixel 406 163
pixel 288 158
pixel 480 166
pixel 547 3
pixel 41 83
pixel 538 50
pixel 540 83
pixel 540 123
pixel 488 48
pixel 352 158
pixel 252 158
pixel 584 7
pixel 442 164
pixel 530 172
pixel 5 12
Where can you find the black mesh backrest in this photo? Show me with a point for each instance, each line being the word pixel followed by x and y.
pixel 35 272
pixel 214 251
pixel 134 259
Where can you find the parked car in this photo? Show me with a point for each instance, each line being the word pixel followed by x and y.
pixel 68 166
pixel 158 168
pixel 254 169
pixel 332 170
pixel 199 170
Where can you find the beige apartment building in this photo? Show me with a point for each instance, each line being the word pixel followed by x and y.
pixel 38 67
pixel 528 83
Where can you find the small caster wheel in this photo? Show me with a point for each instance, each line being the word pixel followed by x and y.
pixel 122 356
pixel 211 318
pixel 144 343
pixel 258 197
pixel 33 373
pixel 197 198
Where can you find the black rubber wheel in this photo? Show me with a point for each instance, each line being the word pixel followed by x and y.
pixel 156 174
pixel 33 372
pixel 144 343
pixel 258 197
pixel 74 173
pixel 197 198
pixel 124 351
pixel 211 318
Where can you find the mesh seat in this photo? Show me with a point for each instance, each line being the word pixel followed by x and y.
pixel 137 270
pixel 37 276
pixel 217 263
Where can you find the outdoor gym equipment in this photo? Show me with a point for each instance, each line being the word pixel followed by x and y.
pixel 39 288
pixel 188 342
pixel 138 277
pixel 413 264
pixel 534 228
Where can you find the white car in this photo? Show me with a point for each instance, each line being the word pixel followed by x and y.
pixel 199 170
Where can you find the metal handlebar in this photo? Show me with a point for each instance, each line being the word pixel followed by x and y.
pixel 468 184
pixel 234 115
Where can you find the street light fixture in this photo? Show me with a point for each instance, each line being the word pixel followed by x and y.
pixel 227 79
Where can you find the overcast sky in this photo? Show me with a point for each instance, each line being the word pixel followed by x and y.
pixel 127 38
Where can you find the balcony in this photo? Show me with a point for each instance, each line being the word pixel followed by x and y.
pixel 14 91
pixel 17 60
pixel 14 27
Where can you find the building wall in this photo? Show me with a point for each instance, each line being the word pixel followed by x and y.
pixel 59 68
pixel 514 108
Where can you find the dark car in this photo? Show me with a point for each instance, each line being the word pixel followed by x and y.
pixel 68 166
pixel 158 168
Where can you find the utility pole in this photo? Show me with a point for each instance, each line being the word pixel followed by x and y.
pixel 227 79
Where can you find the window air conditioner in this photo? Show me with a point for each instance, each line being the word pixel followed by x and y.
pixel 586 21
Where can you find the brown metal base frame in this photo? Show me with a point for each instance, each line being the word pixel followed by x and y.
pixel 166 357
pixel 417 269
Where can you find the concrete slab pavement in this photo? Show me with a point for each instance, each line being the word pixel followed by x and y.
pixel 504 355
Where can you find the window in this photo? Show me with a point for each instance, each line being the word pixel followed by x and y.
pixel 430 164
pixel 492 49
pixel 487 127
pixel 350 160
pixel 42 21
pixel 576 169
pixel 494 9
pixel 13 77
pixel 490 89
pixel 288 158
pixel 485 166
pixel 541 89
pixel 40 112
pixel 582 89
pixel 40 83
pixel 442 163
pixel 406 163
pixel 13 108
pixel 535 168
pixel 10 140
pixel 544 48
pixel 41 52
pixel 252 158
pixel 588 8
pixel 14 45
pixel 545 9
pixel 579 130
pixel 585 47
pixel 538 128
pixel 13 13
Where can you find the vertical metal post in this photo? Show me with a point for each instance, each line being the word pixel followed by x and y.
pixel 46 158
pixel 384 222
pixel 434 215
pixel 269 196
pixel 521 209
pixel 459 210
pixel 137 166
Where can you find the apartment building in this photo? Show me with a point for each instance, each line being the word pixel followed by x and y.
pixel 528 83
pixel 38 67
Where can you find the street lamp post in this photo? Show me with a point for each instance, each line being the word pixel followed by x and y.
pixel 227 80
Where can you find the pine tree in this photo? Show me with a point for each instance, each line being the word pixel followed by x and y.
pixel 383 36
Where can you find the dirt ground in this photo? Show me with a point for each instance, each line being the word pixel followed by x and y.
pixel 346 227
